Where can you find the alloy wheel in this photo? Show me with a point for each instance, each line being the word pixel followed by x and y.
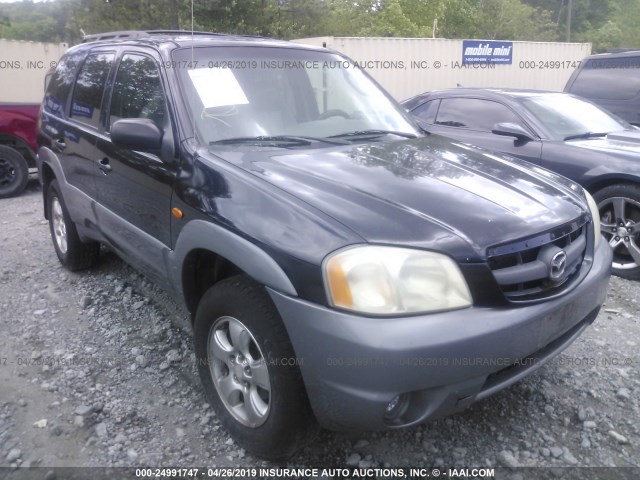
pixel 620 220
pixel 239 371
pixel 59 225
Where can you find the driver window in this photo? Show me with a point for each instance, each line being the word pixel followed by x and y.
pixel 137 91
pixel 473 114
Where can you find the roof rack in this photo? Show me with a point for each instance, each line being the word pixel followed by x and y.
pixel 141 33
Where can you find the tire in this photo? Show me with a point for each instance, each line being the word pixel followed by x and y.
pixel 71 251
pixel 619 207
pixel 277 420
pixel 14 172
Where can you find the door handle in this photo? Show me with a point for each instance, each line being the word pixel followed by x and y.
pixel 103 164
pixel 60 143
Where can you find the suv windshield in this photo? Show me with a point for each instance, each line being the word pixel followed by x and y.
pixel 261 93
pixel 567 116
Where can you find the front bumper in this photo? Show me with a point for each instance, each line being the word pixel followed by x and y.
pixel 353 366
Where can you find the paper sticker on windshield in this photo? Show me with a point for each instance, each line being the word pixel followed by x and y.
pixel 217 87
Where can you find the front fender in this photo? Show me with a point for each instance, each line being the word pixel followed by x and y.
pixel 203 235
pixel 603 176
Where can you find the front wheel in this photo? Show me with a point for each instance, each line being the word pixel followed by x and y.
pixel 249 371
pixel 14 172
pixel 619 207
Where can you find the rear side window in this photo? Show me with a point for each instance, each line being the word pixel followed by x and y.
pixel 137 91
pixel 60 83
pixel 608 79
pixel 473 113
pixel 427 111
pixel 87 95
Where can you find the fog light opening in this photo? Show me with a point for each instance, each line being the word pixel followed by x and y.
pixel 396 407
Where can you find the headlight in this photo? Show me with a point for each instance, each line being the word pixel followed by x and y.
pixel 386 280
pixel 595 214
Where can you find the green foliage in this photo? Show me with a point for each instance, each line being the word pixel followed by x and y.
pixel 620 30
pixel 95 16
pixel 604 38
pixel 385 18
pixel 606 23
pixel 42 22
pixel 497 19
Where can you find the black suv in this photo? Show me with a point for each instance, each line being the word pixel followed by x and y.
pixel 612 80
pixel 342 267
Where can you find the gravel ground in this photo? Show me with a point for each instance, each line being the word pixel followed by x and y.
pixel 97 369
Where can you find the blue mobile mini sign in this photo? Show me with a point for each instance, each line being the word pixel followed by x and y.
pixel 486 51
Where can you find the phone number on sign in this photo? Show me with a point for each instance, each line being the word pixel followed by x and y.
pixel 549 64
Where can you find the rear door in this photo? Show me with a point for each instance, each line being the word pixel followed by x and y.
pixel 471 120
pixel 85 115
pixel 134 188
pixel 71 117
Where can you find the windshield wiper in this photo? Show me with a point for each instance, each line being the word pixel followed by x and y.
pixel 586 135
pixel 280 140
pixel 373 133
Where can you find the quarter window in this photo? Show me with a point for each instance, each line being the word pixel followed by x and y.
pixel 60 84
pixel 87 95
pixel 427 111
pixel 474 114
pixel 137 91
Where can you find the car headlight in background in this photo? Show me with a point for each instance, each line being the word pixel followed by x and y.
pixel 389 280
pixel 595 214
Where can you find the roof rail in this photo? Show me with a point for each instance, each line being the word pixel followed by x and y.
pixel 122 34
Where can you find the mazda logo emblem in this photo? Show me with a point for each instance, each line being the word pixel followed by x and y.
pixel 558 265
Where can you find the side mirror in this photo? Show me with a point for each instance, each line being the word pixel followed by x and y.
pixel 139 134
pixel 511 130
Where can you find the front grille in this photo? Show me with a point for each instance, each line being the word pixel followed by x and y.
pixel 531 268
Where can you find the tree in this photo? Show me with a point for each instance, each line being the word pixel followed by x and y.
pixel 496 19
pixel 491 19
pixel 606 23
pixel 96 16
pixel 625 15
pixel 26 20
pixel 381 18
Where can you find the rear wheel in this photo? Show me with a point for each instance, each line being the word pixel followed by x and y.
pixel 249 370
pixel 72 252
pixel 619 207
pixel 14 172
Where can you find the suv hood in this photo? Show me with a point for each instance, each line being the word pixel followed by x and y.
pixel 428 192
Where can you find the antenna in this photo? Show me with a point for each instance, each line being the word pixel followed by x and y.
pixel 192 63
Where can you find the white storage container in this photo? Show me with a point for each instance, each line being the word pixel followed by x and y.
pixel 23 66
pixel 408 66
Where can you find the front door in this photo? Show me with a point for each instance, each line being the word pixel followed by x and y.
pixel 134 188
pixel 471 120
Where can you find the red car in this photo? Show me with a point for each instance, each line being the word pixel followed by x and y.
pixel 18 123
